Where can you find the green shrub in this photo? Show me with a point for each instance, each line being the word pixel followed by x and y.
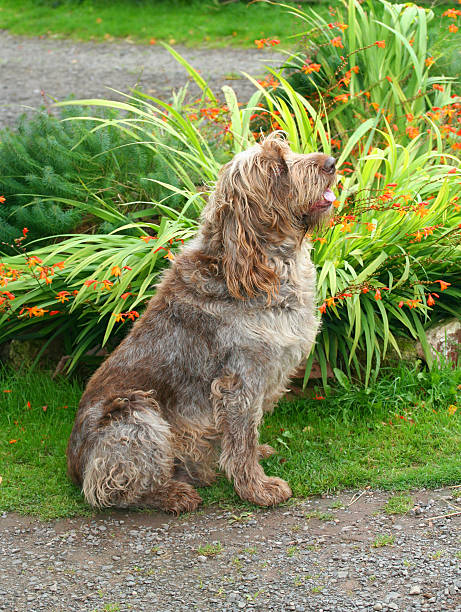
pixel 371 58
pixel 387 265
pixel 48 161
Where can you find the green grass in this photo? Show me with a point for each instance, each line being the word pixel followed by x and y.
pixel 398 504
pixel 210 550
pixel 349 440
pixel 191 23
pixel 383 540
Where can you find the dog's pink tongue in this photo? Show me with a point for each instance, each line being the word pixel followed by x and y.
pixel 329 196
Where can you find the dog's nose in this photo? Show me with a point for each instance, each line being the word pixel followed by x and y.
pixel 329 165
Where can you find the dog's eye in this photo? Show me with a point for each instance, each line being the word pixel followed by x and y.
pixel 329 165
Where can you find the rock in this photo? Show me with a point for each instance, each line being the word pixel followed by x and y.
pixel 315 371
pixel 415 589
pixel 444 340
pixel 378 606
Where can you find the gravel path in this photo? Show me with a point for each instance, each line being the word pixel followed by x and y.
pixel 60 68
pixel 311 556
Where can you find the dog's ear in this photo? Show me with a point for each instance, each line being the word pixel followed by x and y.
pixel 250 212
pixel 245 263
pixel 272 155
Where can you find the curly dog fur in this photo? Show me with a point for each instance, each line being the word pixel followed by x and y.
pixel 186 390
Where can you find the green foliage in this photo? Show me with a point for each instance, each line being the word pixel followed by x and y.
pixel 372 53
pixel 47 161
pixel 392 245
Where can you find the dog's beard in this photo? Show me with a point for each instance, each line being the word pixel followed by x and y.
pixel 318 212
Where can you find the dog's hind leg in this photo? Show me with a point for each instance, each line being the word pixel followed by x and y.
pixel 131 461
pixel 238 414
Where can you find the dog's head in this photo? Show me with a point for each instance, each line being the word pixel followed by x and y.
pixel 267 196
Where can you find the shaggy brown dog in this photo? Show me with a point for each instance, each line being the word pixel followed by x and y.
pixel 233 316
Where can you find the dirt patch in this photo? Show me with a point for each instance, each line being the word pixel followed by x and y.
pixel 60 68
pixel 317 554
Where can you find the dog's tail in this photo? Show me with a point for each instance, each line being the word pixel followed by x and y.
pixel 129 458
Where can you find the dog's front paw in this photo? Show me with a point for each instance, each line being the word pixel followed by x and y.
pixel 265 451
pixel 267 492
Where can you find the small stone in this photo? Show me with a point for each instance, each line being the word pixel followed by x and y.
pixel 378 606
pixel 201 558
pixel 415 589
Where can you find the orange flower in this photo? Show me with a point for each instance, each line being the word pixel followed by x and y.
pixel 409 116
pixel 430 300
pixel 88 283
pixel 330 301
pixel 106 284
pixel 341 98
pixel 323 308
pixel 346 227
pixel 118 317
pixel 62 296
pixel 421 211
pixel 54 312
pixel 429 61
pixel 132 315
pixel 355 69
pixel 33 261
pixel 2 199
pixel 380 43
pixel 378 294
pixel 341 26
pixel 437 87
pixel 375 105
pixel 443 284
pixel 337 42
pixel 147 238
pixel 308 68
pixel 116 271
pixel 412 131
pixel 452 28
pixel 452 13
pixel 456 146
pixel 25 231
pixel 59 265
pixel 371 226
pixel 12 442
pixel 125 295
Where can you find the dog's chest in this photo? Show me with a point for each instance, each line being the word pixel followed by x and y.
pixel 290 325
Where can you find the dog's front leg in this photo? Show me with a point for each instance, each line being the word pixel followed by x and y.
pixel 238 413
